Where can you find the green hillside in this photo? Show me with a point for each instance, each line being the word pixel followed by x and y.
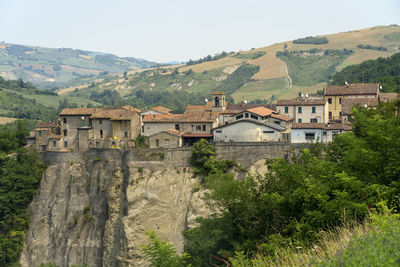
pixel 60 67
pixel 279 71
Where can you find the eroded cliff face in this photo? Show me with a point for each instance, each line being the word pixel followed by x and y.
pixel 95 209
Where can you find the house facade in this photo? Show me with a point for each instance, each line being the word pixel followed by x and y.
pixel 304 110
pixel 334 95
pixel 317 132
pixel 249 130
pixel 166 139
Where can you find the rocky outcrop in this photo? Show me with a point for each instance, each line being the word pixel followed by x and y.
pixel 95 210
pixel 94 207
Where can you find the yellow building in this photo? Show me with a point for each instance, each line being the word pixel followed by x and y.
pixel 334 96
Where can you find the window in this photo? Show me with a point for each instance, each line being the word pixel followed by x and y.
pixel 340 113
pixel 246 115
pixel 313 109
pixel 192 126
pixel 166 142
pixel 238 117
pixel 330 115
pixel 329 100
pixel 100 121
pixel 65 143
pixel 277 122
pixel 198 127
pixel 253 116
pixel 113 143
pixel 219 131
pixel 40 133
pixel 310 136
pixel 286 109
pixel 142 129
pixel 125 134
pixel 204 127
pixel 64 120
pixel 268 131
pixel 177 127
pixel 65 132
pixel 313 120
pixel 101 133
pixel 299 109
pixel 54 143
pixel 340 100
pixel 157 143
pixel 299 120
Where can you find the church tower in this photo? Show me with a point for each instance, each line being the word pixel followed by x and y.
pixel 218 102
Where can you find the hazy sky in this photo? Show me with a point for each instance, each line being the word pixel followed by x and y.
pixel 165 30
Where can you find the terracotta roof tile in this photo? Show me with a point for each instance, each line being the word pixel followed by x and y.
pixel 77 111
pixel 281 117
pixel 353 89
pixel 387 96
pixel 218 93
pixel 161 117
pixel 349 103
pixel 131 108
pixel 113 114
pixel 161 109
pixel 305 102
pixel 242 106
pixel 261 111
pixel 307 126
pixel 46 125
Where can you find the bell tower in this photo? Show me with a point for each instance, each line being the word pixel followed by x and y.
pixel 218 101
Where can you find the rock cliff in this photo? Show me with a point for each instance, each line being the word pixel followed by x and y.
pixel 94 207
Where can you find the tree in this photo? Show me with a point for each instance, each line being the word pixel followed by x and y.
pixel 162 254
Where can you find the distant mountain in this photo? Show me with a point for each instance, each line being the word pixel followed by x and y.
pixel 61 67
pixel 278 71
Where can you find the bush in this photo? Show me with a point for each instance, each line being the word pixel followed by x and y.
pixel 312 40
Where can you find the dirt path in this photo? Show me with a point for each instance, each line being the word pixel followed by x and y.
pixel 290 79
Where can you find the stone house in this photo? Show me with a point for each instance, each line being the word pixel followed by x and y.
pixel 75 123
pixel 114 127
pixel 304 110
pixel 349 103
pixel 317 132
pixel 334 95
pixel 166 139
pixel 48 137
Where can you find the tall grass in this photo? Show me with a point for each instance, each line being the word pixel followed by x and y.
pixel 375 242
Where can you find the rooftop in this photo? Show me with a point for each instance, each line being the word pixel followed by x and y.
pixel 328 126
pixel 303 102
pixel 349 103
pixel 77 111
pixel 388 96
pixel 46 125
pixel 113 113
pixel 353 89
pixel 261 111
pixel 161 109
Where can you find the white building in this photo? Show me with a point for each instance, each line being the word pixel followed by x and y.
pixel 304 110
pixel 317 132
pixel 249 130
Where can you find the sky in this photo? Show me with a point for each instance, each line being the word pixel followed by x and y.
pixel 179 30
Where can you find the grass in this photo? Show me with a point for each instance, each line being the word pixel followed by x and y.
pixel 263 89
pixel 54 100
pixel 306 71
pixel 373 243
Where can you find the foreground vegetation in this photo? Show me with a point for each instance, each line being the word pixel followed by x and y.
pixel 20 174
pixel 320 188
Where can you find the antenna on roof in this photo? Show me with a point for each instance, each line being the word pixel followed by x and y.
pixel 206 100
pixel 346 83
pixel 306 95
pixel 380 87
pixel 245 101
pixel 83 118
pixel 302 95
pixel 365 105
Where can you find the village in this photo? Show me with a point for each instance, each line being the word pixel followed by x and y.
pixel 308 119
